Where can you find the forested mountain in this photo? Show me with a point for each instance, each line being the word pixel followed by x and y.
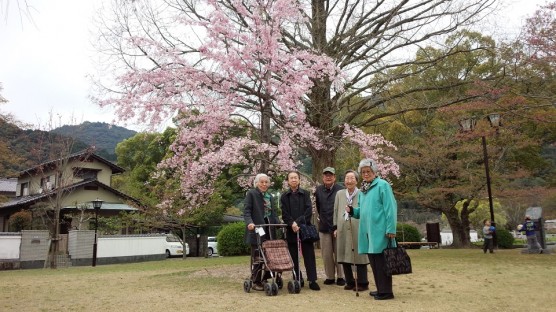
pixel 103 136
pixel 22 149
pixel 27 148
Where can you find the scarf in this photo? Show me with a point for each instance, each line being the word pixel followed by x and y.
pixel 349 199
pixel 366 186
pixel 267 205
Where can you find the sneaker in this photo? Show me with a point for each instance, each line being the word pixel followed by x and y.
pixel 328 281
pixel 314 286
pixel 340 282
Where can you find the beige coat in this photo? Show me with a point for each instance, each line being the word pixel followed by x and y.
pixel 346 231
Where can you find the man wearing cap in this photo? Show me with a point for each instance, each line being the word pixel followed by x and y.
pixel 325 195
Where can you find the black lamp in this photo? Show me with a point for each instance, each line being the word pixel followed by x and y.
pixel 97 203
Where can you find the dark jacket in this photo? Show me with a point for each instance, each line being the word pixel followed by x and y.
pixel 529 228
pixel 300 213
pixel 254 213
pixel 325 206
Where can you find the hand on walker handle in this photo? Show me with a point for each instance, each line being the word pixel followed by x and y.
pixel 295 228
pixel 251 226
pixel 390 235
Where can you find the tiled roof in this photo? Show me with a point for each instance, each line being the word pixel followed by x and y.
pixel 37 197
pixel 82 154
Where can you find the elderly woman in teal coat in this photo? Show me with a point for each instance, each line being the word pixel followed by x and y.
pixel 377 214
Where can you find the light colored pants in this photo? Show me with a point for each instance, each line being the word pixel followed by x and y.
pixel 328 250
pixel 533 243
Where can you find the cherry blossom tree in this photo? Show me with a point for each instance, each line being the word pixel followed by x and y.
pixel 241 72
pixel 303 74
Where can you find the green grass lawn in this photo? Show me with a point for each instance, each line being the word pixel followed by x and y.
pixel 443 280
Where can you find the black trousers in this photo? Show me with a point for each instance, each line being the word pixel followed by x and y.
pixel 308 250
pixel 488 244
pixel 383 282
pixel 257 272
pixel 362 279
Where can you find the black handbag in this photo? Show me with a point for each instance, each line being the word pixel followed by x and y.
pixel 308 233
pixel 397 260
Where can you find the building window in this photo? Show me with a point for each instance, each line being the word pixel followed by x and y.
pixel 24 191
pixel 46 183
pixel 85 173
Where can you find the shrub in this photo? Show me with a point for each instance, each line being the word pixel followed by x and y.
pixel 407 233
pixel 504 238
pixel 231 240
pixel 20 220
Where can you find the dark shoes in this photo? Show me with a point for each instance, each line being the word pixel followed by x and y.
pixel 358 288
pixel 349 287
pixel 362 288
pixel 384 296
pixel 340 282
pixel 328 281
pixel 373 293
pixel 314 286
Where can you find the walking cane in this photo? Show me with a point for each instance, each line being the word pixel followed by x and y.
pixel 353 258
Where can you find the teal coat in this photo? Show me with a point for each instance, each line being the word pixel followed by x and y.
pixel 377 214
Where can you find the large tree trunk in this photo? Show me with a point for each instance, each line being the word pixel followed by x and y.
pixel 460 231
pixel 266 114
pixel 321 160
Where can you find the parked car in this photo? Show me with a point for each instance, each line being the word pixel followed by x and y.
pixel 174 246
pixel 212 246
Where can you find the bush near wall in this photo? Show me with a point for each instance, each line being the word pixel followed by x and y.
pixel 231 240
pixel 20 220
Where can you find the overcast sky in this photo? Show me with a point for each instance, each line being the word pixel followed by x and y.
pixel 44 63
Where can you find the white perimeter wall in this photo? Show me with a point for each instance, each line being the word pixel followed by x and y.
pixel 9 247
pixel 122 246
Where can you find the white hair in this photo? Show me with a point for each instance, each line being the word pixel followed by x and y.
pixel 367 162
pixel 258 177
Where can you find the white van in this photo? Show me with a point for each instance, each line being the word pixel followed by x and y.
pixel 174 246
pixel 212 246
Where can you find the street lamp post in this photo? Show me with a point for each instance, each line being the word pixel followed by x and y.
pixel 487 173
pixel 97 203
pixel 467 125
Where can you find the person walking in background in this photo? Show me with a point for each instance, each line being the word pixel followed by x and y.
pixel 487 236
pixel 297 210
pixel 259 209
pixel 533 245
pixel 346 230
pixel 325 195
pixel 377 214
